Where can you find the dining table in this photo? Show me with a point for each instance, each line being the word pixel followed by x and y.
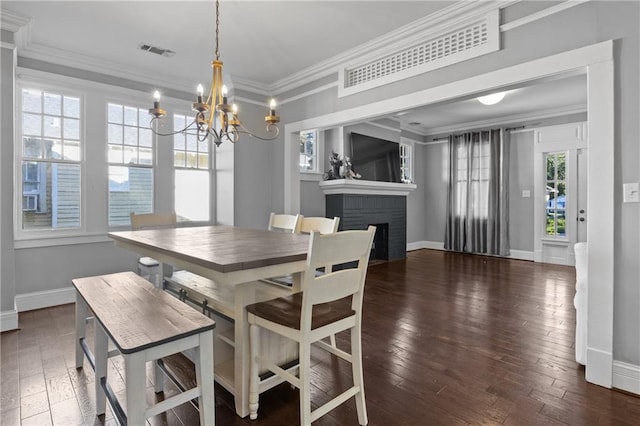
pixel 232 261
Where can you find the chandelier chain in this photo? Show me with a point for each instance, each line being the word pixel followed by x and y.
pixel 217 30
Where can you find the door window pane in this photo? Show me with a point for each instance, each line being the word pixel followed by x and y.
pixel 556 196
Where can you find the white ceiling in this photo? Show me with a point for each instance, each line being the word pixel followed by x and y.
pixel 261 42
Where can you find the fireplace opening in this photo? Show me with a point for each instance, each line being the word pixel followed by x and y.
pixel 380 246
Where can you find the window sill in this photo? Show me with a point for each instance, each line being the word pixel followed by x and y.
pixel 559 241
pixel 36 242
pixel 311 176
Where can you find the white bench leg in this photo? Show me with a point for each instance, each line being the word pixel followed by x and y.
pixel 81 328
pixel 135 372
pixel 101 354
pixel 204 379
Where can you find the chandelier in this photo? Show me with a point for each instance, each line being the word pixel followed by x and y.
pixel 215 116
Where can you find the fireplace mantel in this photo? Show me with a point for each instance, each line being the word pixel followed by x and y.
pixel 365 187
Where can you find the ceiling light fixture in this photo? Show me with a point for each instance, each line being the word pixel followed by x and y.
pixel 216 117
pixel 492 99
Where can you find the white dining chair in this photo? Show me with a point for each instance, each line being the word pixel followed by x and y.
pixel 337 297
pixel 284 223
pixel 148 266
pixel 324 225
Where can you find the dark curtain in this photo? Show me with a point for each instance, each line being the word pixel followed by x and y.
pixel 477 196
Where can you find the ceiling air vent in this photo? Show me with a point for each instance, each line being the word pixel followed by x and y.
pixel 167 53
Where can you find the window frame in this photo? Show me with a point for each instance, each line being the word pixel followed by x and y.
pixel 57 88
pixel 209 169
pixel 406 161
pixel 317 154
pixel 138 104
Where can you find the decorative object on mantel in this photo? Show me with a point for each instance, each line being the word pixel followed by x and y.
pixel 348 170
pixel 336 163
pixel 214 113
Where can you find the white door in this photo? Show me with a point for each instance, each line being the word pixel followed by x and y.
pixel 560 191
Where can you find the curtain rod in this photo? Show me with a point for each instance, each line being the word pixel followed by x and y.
pixel 508 129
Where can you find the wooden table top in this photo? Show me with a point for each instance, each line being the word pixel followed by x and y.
pixel 221 248
pixel 135 314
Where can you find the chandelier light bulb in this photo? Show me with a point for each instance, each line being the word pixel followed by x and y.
pixel 200 90
pixel 224 90
pixel 234 109
pixel 491 99
pixel 156 96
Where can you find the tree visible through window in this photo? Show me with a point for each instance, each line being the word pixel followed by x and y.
pixel 556 194
pixel 50 157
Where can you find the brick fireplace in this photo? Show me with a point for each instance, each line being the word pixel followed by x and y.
pixel 363 203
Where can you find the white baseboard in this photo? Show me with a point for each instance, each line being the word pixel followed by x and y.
pixel 8 320
pixel 626 377
pixel 436 245
pixel 45 299
pixel 598 367
pixel 521 255
pixel 417 245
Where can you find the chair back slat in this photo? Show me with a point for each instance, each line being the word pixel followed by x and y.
pixel 284 223
pixel 334 286
pixel 340 247
pixel 152 220
pixel 323 225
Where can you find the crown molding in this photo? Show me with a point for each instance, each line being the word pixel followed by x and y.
pixel 251 86
pixel 11 21
pixel 557 112
pixel 87 63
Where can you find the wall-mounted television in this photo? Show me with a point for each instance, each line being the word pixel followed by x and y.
pixel 375 159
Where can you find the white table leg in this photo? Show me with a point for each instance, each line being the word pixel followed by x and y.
pixel 101 354
pixel 204 378
pixel 244 295
pixel 135 371
pixel 81 328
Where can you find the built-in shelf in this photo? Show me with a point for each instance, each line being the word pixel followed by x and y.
pixel 228 337
pixel 365 187
pixel 224 373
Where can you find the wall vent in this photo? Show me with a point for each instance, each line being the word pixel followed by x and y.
pixel 167 53
pixel 466 41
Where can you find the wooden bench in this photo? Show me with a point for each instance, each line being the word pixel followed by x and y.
pixel 145 324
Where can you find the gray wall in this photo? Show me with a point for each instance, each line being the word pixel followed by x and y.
pixel 7 270
pixel 521 209
pixel 434 162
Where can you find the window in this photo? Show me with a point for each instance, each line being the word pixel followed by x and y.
pixel 473 172
pixel 50 157
pixel 309 151
pixel 191 163
pixel 405 163
pixel 130 157
pixel 556 194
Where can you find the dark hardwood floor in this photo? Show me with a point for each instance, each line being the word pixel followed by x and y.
pixel 448 339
